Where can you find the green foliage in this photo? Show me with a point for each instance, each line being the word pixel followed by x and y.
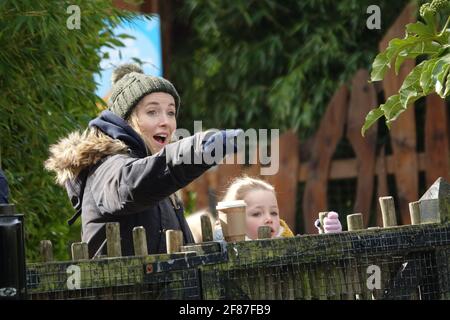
pixel 422 40
pixel 269 64
pixel 46 76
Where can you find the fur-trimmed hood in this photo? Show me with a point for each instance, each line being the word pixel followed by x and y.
pixel 70 155
pixel 108 134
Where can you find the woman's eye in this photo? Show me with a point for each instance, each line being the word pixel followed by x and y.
pixel 172 113
pixel 274 213
pixel 256 214
pixel 151 112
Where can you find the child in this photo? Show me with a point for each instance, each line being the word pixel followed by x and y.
pixel 262 209
pixel 125 169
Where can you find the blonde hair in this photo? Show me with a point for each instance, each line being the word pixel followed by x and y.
pixel 241 186
pixel 133 121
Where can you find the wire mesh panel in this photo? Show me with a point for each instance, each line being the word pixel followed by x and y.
pixel 112 278
pixel 409 262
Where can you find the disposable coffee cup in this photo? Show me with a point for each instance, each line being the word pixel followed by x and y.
pixel 232 219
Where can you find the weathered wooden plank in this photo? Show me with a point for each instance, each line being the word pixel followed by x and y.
pixel 403 130
pixel 226 172
pixel 327 138
pixel 436 140
pixel 285 181
pixel 363 98
pixel 254 167
pixel 347 168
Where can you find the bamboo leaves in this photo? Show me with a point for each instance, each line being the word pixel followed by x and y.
pixel 48 89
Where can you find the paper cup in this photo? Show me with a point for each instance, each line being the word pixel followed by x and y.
pixel 232 219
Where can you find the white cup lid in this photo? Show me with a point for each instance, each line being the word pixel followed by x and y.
pixel 230 204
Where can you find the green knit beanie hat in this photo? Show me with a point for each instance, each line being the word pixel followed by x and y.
pixel 130 85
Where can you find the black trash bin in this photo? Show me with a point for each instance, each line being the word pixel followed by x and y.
pixel 12 254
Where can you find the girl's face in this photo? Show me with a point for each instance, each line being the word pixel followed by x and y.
pixel 261 210
pixel 156 119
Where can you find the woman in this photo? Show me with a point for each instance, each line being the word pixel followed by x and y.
pixel 124 169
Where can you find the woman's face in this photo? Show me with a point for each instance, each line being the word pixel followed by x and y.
pixel 261 210
pixel 156 118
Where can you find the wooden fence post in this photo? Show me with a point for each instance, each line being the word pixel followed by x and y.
pixel 174 240
pixel 322 216
pixel 388 211
pixel 355 222
pixel 46 250
pixel 207 234
pixel 140 241
pixel 80 251
pixel 414 211
pixel 113 239
pixel 264 232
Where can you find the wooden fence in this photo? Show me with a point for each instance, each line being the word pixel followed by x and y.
pixel 392 262
pixel 312 161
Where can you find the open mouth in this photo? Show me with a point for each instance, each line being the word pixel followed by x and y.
pixel 160 138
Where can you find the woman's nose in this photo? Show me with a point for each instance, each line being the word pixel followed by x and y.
pixel 163 120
